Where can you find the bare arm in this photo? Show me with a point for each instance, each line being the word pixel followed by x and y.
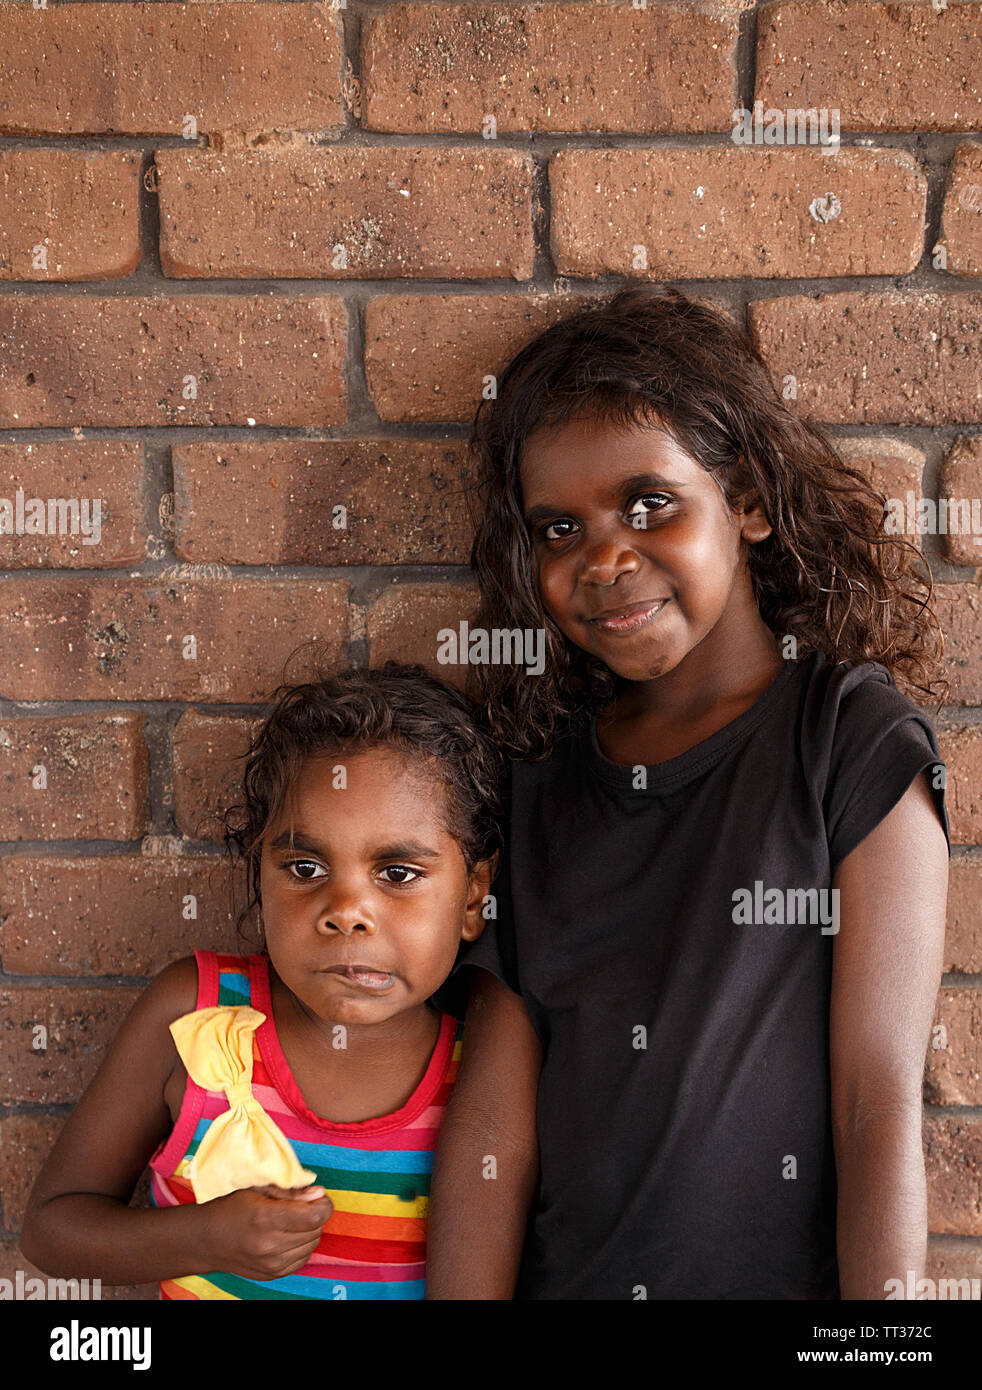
pixel 78 1222
pixel 886 972
pixel 476 1227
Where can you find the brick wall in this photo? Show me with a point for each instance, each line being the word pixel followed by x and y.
pixel 257 261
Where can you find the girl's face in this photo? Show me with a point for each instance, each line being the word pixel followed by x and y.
pixel 364 910
pixel 640 559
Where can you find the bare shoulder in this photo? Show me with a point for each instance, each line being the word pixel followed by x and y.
pixel 172 992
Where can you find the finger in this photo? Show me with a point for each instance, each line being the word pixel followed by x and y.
pixel 302 1217
pixel 291 1194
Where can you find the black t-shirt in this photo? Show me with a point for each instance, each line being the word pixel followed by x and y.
pixel 683 1004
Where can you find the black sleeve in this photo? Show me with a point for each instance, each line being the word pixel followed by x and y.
pixel 881 743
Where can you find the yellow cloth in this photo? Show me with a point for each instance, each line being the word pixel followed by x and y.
pixel 243 1147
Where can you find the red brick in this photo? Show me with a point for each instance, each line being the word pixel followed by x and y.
pixel 951 1259
pixel 886 67
pixel 79 360
pixel 53 1040
pixel 961 220
pixel 876 359
pixel 11 1260
pixel 75 916
pixel 953 1159
pixel 954 1071
pixel 410 373
pixel 893 467
pixel 959 610
pixel 963 940
pixel 961 751
pixel 735 212
pixel 98 639
pixel 548 67
pixel 961 478
pixel 83 206
pixel 252 504
pixel 119 69
pixel 95 769
pixel 111 470
pixel 395 211
pixel 404 621
pixel 25 1142
pixel 208 770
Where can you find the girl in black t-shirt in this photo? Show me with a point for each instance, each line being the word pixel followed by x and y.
pixel 695 1048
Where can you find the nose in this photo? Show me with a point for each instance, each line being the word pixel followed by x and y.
pixel 605 558
pixel 344 912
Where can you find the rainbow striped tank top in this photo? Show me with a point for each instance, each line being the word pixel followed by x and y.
pixel 376 1172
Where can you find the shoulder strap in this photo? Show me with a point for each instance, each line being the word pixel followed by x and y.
pixel 222 979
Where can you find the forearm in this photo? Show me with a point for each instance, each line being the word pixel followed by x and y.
pixel 882 1202
pixel 86 1235
pixel 482 1190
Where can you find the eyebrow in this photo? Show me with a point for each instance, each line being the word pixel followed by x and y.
pixel 637 482
pixel 406 849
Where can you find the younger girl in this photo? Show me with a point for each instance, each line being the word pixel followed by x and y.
pixel 696 1039
pixel 288 1102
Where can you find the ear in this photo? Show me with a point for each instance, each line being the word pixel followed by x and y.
pixel 478 890
pixel 754 525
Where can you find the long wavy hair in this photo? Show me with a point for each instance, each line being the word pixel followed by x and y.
pixel 828 574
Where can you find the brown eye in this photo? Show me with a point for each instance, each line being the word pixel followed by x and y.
pixel 400 869
pixel 563 521
pixel 296 865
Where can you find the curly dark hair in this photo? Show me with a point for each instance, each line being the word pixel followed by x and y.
pixel 398 706
pixel 828 574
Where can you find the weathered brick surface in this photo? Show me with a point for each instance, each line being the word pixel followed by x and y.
pixel 961 221
pixel 952 1259
pixel 963 939
pixel 201 360
pixel 959 609
pixel 404 503
pixel 76 916
pixel 208 770
pixel 547 67
pixel 409 372
pixel 69 214
pixel 877 359
pixel 96 639
pixel 961 750
pixel 893 467
pixel 54 1039
pixel 670 214
pixel 90 69
pixel 954 1071
pixel 403 624
pixel 886 67
pixel 953 1160
pixel 961 480
pixel 81 777
pixel 108 537
pixel 25 1142
pixel 345 214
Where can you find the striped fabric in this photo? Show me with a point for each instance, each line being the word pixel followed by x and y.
pixel 376 1172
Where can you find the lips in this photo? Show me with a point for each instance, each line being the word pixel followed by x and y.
pixel 629 618
pixel 365 976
